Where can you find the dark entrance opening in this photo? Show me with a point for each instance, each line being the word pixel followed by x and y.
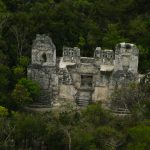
pixel 44 57
pixel 86 81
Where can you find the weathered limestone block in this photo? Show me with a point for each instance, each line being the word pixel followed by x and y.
pixel 87 69
pixel 67 92
pixel 76 80
pixel 97 53
pixel 100 94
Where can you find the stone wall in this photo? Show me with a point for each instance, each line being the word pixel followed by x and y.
pixel 43 68
pixel 81 79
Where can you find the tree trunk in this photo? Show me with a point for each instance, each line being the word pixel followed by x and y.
pixel 69 139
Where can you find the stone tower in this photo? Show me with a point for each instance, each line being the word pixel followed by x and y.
pixel 43 51
pixel 125 64
pixel 71 54
pixel 43 68
pixel 103 57
pixel 126 57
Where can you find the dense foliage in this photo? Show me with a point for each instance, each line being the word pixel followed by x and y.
pixel 86 24
pixel 92 128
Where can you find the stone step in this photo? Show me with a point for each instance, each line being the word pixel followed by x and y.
pixel 83 102
pixel 83 105
pixel 40 105
pixel 55 91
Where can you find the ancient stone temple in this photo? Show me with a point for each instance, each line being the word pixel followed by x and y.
pixel 81 79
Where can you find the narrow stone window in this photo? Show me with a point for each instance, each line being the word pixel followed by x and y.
pixel 44 57
pixel 65 53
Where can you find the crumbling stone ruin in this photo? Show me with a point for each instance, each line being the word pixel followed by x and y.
pixel 81 79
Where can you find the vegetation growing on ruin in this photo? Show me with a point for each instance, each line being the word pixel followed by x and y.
pixel 86 24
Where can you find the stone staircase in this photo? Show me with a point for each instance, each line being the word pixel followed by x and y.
pixel 121 112
pixel 83 102
pixel 40 105
pixel 84 97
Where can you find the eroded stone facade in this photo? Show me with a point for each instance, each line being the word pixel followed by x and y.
pixel 81 79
